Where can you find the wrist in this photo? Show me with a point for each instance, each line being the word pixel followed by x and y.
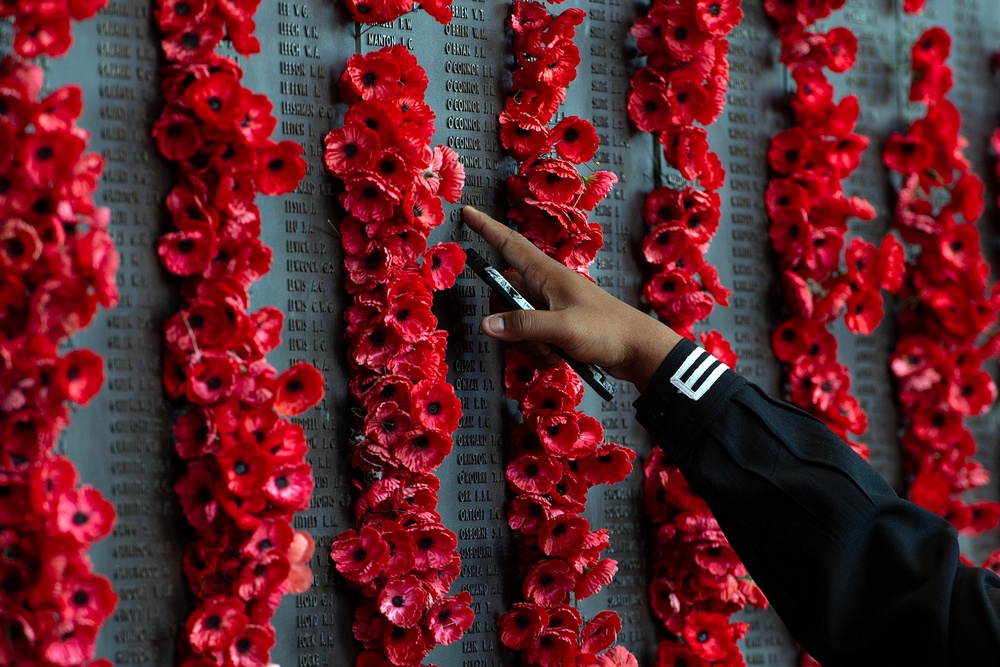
pixel 653 342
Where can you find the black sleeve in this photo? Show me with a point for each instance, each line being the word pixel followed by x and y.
pixel 859 576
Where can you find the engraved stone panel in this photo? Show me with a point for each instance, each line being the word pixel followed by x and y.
pixel 122 441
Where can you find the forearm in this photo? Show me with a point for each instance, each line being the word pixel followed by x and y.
pixel 858 575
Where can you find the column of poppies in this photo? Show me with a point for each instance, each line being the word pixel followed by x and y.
pixel 809 217
pixel 697 582
pixel 948 308
pixel 684 81
pixel 558 452
pixel 384 11
pixel 57 265
pixel 246 473
pixel 401 557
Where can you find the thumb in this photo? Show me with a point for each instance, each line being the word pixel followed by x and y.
pixel 542 326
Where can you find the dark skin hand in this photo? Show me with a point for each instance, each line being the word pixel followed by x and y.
pixel 575 314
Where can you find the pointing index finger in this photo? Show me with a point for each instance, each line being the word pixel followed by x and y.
pixel 519 252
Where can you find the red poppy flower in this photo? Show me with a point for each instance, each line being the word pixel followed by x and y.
pixel 401 549
pixel 290 486
pixel 563 536
pixel 609 464
pixel 370 78
pixel 708 634
pixel 298 389
pixel 594 577
pixel 175 14
pixel 280 167
pixel 377 11
pixel 682 33
pixel 650 106
pixel 442 264
pixel 193 42
pixel 930 491
pixel 85 515
pixel 68 643
pixel 435 406
pixel 42 30
pixel 252 648
pixel 575 139
pixel 367 198
pixel 189 252
pixel 523 135
pixel 907 154
pixel 555 181
pixel 863 311
pixel 528 512
pixel 80 375
pixel 422 449
pixel 972 392
pixel 216 99
pixel 559 432
pixel 451 617
pixel 931 84
pixel 350 149
pixel 596 187
pixel 445 175
pixel 435 547
pixel 931 48
pixel 550 647
pixel 790 151
pixel 814 94
pixel 549 582
pixel 404 646
pixel 522 624
pixel 718 17
pixel 216 624
pixel 403 601
pixel 360 556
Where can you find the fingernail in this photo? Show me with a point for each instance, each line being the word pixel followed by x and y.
pixel 494 323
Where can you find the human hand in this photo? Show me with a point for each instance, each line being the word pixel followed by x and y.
pixel 576 315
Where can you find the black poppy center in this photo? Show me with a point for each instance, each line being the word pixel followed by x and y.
pixel 369 79
pixel 15 248
pixel 191 40
pixel 398 601
pixel 80 518
pixel 241 468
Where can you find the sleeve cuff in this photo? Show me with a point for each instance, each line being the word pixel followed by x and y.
pixel 686 391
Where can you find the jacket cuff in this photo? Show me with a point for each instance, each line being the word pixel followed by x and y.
pixel 687 390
